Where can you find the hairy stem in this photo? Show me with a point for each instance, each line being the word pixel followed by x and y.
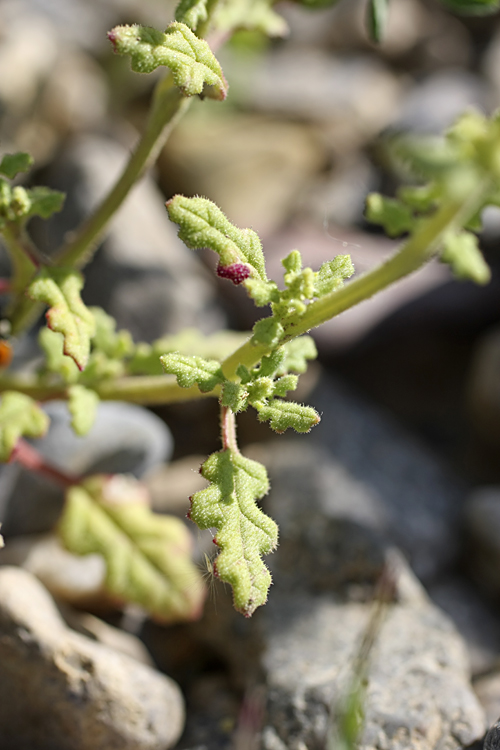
pixel 228 430
pixel 140 389
pixel 417 251
pixel 31 459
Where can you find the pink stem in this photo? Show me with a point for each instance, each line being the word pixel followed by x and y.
pixel 31 459
pixel 228 430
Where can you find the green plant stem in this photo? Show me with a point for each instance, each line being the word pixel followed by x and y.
pixel 140 389
pixel 417 251
pixel 23 254
pixel 168 107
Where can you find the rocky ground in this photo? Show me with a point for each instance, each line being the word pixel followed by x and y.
pixel 386 581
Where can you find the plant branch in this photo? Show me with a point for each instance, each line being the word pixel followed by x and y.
pixel 415 253
pixel 28 457
pixel 140 389
pixel 228 430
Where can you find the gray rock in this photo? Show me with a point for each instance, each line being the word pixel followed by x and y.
pixel 487 689
pixel 62 691
pixel 418 696
pixel 125 438
pixel 477 623
pixel 362 470
pixel 358 93
pixel 433 105
pixel 483 388
pixel 492 739
pixel 403 487
pixel 482 528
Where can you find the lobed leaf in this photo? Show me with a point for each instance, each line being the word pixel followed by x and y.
pixel 59 288
pixel 202 224
pixel 461 251
pixel 244 532
pixel 147 556
pixel 253 15
pixel 235 396
pixel 395 217
pixel 284 414
pixel 82 405
pixel 189 371
pixel 19 415
pixel 191 12
pixel 12 164
pixel 194 67
pixel 331 275
pixel 55 360
pixel 114 344
pixel 268 331
pixel 44 201
pixel 297 352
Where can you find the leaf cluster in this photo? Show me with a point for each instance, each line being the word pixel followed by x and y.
pixel 449 167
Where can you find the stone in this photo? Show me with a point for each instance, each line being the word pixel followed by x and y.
pixel 255 168
pixel 354 96
pixel 475 619
pixel 61 691
pixel 339 515
pixel 433 105
pixel 483 388
pixel 417 697
pixel 482 530
pixel 492 739
pixel 487 689
pixel 361 471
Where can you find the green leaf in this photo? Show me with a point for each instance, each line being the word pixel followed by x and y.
pixel 293 262
pixel 147 556
pixel 45 202
pixel 19 415
pixel 285 384
pixel 394 216
pixel 191 12
pixel 376 19
pixel 297 352
pixel 284 414
pixel 12 164
pixel 268 331
pixel 194 67
pixel 114 344
pixel 252 15
pixel 202 224
pixel 235 396
pixel 421 197
pixel 462 252
pixel 59 288
pixel 244 532
pixel 259 390
pixel 189 371
pixel 82 405
pixel 331 275
pixel 273 363
pixel 55 360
